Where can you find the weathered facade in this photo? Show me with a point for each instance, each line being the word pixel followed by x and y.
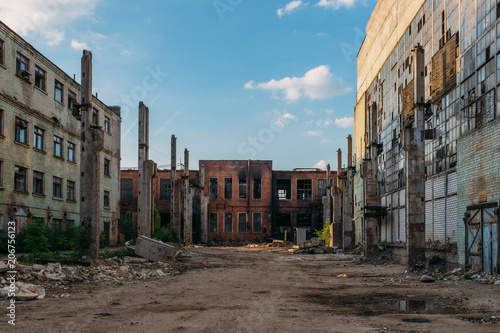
pixel 452 93
pixel 42 119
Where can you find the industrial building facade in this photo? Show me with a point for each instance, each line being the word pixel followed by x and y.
pixel 41 142
pixel 459 99
pixel 239 200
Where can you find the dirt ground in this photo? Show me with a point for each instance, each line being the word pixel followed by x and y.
pixel 269 290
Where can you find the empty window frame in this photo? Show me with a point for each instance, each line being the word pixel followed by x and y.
pixel 165 188
pixel 57 187
pixel 38 138
pixel 106 199
pixel 228 223
pixel 40 75
pixel 58 144
pixel 21 134
pixel 107 124
pixel 322 188
pixel 242 188
pixel 37 183
pixel 58 91
pixel 213 188
pixel 213 222
pixel 70 190
pixel 257 223
pixel 22 66
pixel 303 220
pixel 71 98
pixel 284 189
pixel 20 178
pixel 242 222
pixel 126 189
pixel 71 152
pixel 106 167
pixel 95 117
pixel 257 188
pixel 304 189
pixel 2 44
pixel 228 188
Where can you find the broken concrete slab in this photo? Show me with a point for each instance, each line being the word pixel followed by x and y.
pixel 153 250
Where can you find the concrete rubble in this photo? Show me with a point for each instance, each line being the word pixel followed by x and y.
pixel 316 247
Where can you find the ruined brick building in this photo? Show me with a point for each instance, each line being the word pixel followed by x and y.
pixel 47 120
pixel 427 123
pixel 242 200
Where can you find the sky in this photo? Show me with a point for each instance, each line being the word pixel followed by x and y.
pixel 231 79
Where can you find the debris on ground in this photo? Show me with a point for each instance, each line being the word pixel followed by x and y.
pixel 314 246
pixel 154 250
pixel 427 279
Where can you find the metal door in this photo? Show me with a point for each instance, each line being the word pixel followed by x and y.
pixel 482 239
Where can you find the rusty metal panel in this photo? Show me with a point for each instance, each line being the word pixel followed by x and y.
pixel 443 74
pixel 408 103
pixel 482 196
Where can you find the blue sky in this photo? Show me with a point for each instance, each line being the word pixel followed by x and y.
pixel 232 79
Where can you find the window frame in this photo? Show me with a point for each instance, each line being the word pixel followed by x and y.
pixel 106 199
pixel 71 97
pixel 2 121
pixel 57 183
pixel 226 183
pixel 288 194
pixel 240 224
pixel 1 173
pixel 23 174
pixel 38 179
pixel 226 215
pixel 2 52
pixel 38 133
pixel 58 144
pixel 302 192
pixel 40 73
pixel 70 195
pixel 95 117
pixel 58 87
pixel 71 152
pixel 257 189
pixel 165 189
pixel 124 189
pixel 20 61
pixel 17 135
pixel 213 183
pixel 253 223
pixel 242 188
pixel 212 223
pixel 107 167
pixel 107 124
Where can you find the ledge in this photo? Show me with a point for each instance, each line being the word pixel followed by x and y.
pixel 58 199
pixel 24 79
pixel 40 151
pixel 21 192
pixel 71 201
pixel 41 90
pixel 71 162
pixel 38 195
pixel 58 158
pixel 22 144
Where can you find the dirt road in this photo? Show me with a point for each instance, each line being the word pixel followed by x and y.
pixel 256 290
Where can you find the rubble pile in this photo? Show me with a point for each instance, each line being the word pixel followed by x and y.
pixel 55 277
pixel 315 247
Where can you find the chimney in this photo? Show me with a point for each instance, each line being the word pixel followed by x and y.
pixel 349 151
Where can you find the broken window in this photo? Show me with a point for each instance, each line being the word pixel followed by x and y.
pixel 39 78
pixel 22 66
pixel 284 188
pixel 165 188
pixel 213 222
pixel 214 188
pixel 106 198
pixel 71 152
pixel 19 178
pixel 58 146
pixel 95 117
pixel 70 190
pixel 21 131
pixel 107 126
pixel 303 220
pixel 228 188
pixel 58 91
pixel 1 51
pixel 38 138
pixel 304 189
pixel 37 183
pixel 106 167
pixel 57 187
pixel 242 188
pixel 228 223
pixel 127 189
pixel 257 223
pixel 71 98
pixel 242 222
pixel 322 188
pixel 257 188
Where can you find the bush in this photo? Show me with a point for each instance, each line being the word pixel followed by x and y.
pixel 122 240
pixel 166 235
pixel 34 238
pixel 324 233
pixel 80 241
pixel 102 239
pixel 128 226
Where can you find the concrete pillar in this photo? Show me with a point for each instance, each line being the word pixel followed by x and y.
pixel 90 165
pixel 175 197
pixel 349 151
pixel 188 203
pixel 147 173
pixel 336 225
pixel 348 199
pixel 414 145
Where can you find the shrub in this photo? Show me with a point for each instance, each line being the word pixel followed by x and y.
pixel 34 237
pixel 128 226
pixel 324 233
pixel 102 239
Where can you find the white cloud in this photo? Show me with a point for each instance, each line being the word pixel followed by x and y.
pixel 309 112
pixel 335 4
pixel 320 165
pixel 313 133
pixel 291 6
pixel 325 140
pixel 284 119
pixel 318 83
pixel 126 53
pixel 344 122
pixel 329 112
pixel 324 123
pixel 44 18
pixel 76 45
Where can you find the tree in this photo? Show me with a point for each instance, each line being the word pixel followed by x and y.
pixel 35 240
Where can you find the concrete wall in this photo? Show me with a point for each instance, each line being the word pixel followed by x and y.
pixel 478 169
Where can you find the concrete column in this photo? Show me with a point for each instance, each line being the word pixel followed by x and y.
pixel 204 199
pixel 188 203
pixel 175 197
pixel 348 199
pixel 92 142
pixel 336 225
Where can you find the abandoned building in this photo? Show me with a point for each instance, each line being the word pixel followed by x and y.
pixel 427 166
pixel 238 200
pixel 59 144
